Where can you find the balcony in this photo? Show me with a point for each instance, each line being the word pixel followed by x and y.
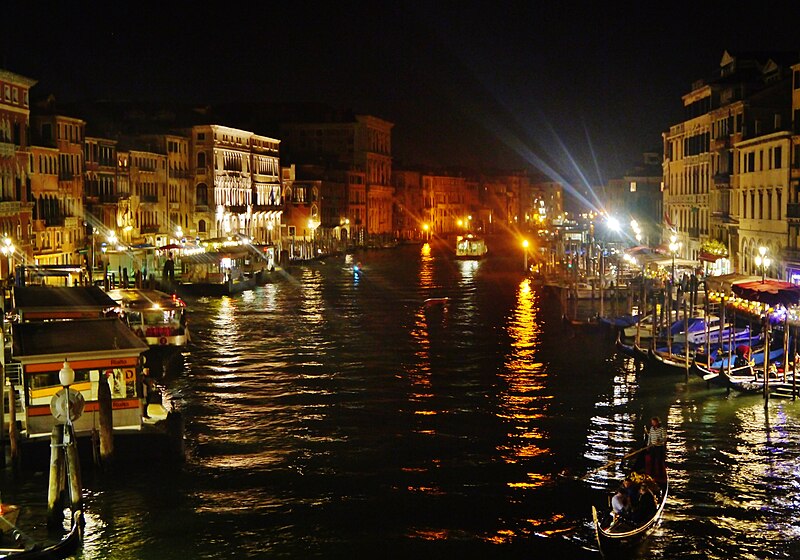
pixel 791 255
pixel 149 198
pixel 7 149
pixel 720 143
pixel 267 207
pixel 722 180
pixel 149 229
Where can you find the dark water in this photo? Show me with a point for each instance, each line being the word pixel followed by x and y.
pixel 329 416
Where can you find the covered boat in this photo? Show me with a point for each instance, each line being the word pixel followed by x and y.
pixel 616 532
pixel 159 319
pixel 470 247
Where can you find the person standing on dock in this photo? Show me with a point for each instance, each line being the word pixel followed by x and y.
pixel 169 270
pixel 655 459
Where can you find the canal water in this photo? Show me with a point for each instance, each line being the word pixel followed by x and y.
pixel 331 415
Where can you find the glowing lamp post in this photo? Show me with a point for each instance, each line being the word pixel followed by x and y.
pixel 674 247
pixel 525 253
pixel 66 375
pixel 8 249
pixel 763 261
pixel 427 229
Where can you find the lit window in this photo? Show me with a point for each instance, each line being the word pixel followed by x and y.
pixel 633 186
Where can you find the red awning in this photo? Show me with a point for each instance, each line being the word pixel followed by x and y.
pixel 771 292
pixel 709 257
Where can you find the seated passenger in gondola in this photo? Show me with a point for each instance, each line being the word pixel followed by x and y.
pixel 742 356
pixel 646 508
pixel 619 503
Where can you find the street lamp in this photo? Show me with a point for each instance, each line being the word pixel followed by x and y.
pixel 525 253
pixel 426 228
pixel 762 261
pixel 674 247
pixel 8 250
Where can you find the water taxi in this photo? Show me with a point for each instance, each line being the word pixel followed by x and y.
pixel 98 350
pixel 470 247
pixel 157 318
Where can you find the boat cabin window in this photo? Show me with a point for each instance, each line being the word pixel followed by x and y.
pixel 133 318
pixel 121 381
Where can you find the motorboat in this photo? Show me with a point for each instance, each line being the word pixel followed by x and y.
pixel 158 318
pixel 470 247
pixel 700 330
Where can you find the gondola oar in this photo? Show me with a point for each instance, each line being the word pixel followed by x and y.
pixel 628 456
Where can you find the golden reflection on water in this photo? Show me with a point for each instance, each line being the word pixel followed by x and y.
pixel 524 401
pixel 312 303
pixel 468 270
pixel 419 373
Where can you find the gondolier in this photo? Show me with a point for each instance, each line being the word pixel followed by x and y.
pixel 656 450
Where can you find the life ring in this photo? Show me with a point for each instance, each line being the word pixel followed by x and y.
pixel 162 341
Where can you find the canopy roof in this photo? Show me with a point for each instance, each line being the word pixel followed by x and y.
pixel 724 282
pixel 30 298
pixel 771 292
pixel 89 338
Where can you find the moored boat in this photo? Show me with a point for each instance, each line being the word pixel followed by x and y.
pixel 747 378
pixel 632 350
pixel 61 549
pixel 159 319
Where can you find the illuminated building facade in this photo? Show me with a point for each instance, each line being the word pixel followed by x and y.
pixel 236 183
pixel 15 208
pixel 57 189
pixel 445 203
pixel 791 253
pixel 362 143
pixel 761 199
pixel 747 98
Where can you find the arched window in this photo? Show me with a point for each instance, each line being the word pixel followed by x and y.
pixel 202 194
pixel 201 226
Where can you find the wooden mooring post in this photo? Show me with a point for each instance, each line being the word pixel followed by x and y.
pixel 13 433
pixel 64 488
pixel 106 423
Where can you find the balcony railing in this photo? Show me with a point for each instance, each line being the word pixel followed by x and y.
pixel 149 229
pixel 722 179
pixel 7 149
pixel 791 254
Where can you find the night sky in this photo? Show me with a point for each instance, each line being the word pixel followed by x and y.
pixel 578 90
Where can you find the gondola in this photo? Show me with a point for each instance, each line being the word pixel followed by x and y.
pixel 631 350
pixel 617 533
pixel 745 379
pixel 666 361
pixel 63 548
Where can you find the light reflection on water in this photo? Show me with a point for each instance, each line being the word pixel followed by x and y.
pixel 329 415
